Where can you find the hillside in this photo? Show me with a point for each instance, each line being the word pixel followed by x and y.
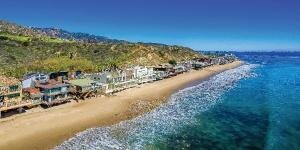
pixel 24 49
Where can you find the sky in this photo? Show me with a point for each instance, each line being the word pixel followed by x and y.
pixel 242 25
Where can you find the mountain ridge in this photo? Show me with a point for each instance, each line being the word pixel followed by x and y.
pixel 77 36
pixel 29 49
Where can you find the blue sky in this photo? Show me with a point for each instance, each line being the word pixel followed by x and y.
pixel 200 24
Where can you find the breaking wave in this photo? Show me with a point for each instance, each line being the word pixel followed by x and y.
pixel 164 120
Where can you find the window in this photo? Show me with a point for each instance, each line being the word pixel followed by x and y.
pixel 13 95
pixel 14 88
pixel 1 98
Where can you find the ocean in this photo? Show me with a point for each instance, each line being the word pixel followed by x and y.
pixel 254 106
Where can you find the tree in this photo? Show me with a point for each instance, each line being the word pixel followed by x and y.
pixel 173 62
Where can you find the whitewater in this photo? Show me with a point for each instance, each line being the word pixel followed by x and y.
pixel 165 120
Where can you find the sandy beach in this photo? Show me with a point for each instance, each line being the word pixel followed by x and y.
pixel 44 129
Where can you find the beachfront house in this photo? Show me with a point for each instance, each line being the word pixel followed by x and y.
pixel 102 80
pixel 230 58
pixel 101 77
pixel 32 94
pixel 123 79
pixel 83 88
pixel 60 76
pixel 113 81
pixel 170 69
pixel 167 70
pixel 199 65
pixel 221 60
pixel 144 74
pixel 53 92
pixel 179 69
pixel 160 72
pixel 11 94
pixel 187 64
pixel 29 80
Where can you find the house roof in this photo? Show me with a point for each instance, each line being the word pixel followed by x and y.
pixel 50 84
pixel 27 76
pixel 82 82
pixel 31 90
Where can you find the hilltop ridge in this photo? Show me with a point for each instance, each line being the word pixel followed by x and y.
pixel 80 37
pixel 27 49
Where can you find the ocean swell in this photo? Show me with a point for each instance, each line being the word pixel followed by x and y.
pixel 162 121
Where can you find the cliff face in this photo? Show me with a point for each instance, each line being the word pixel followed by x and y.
pixel 24 49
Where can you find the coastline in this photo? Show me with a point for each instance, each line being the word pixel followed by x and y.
pixel 47 128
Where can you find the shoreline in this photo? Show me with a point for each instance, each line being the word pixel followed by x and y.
pixel 45 129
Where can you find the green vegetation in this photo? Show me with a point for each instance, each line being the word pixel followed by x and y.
pixel 55 40
pixel 22 38
pixel 62 63
pixel 19 38
pixel 24 50
pixel 173 62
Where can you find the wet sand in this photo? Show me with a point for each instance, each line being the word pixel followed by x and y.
pixel 44 129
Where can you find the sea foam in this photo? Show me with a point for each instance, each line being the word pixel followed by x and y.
pixel 162 121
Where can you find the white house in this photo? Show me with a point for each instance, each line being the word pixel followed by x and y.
pixel 144 74
pixel 30 79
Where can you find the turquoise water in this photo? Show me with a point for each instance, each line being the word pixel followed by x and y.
pixel 255 106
